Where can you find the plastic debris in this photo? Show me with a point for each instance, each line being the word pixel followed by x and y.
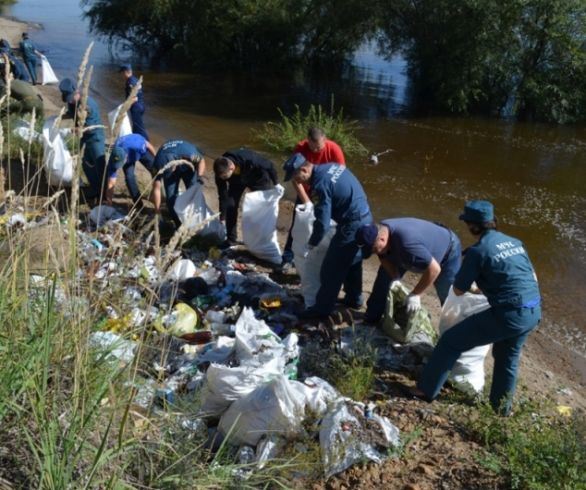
pixel 183 320
pixel 182 269
pixel 113 346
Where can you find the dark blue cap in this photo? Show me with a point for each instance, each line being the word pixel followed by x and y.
pixel 125 67
pixel 292 165
pixel 365 238
pixel 478 212
pixel 117 157
pixel 66 86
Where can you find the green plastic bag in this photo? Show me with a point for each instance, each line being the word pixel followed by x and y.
pixel 401 326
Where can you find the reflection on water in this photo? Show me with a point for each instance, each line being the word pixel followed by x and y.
pixel 535 174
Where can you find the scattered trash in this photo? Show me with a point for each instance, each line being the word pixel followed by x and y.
pixel 183 320
pixel 564 410
pixel 113 346
pixel 182 269
pixel 347 437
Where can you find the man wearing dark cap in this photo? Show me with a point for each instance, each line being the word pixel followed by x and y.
pixel 29 56
pixel 235 171
pixel 126 152
pixel 93 138
pixel 137 108
pixel 172 176
pixel 501 269
pixel 337 195
pixel 414 245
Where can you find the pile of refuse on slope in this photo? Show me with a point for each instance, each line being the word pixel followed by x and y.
pixel 218 335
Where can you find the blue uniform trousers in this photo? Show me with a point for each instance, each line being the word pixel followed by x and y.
pixel 504 327
pixel 375 306
pixel 31 65
pixel 148 162
pixel 94 161
pixel 342 265
pixel 136 113
pixel 171 180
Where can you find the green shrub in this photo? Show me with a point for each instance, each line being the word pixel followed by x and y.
pixel 284 135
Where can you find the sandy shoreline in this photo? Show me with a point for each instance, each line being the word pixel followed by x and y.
pixel 546 366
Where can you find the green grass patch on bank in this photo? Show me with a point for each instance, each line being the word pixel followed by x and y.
pixel 282 136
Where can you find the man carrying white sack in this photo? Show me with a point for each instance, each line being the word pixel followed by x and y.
pixel 336 194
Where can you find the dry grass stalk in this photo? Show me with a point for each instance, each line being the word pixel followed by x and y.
pixel 124 109
pixel 83 65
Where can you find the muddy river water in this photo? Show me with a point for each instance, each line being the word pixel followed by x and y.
pixel 535 174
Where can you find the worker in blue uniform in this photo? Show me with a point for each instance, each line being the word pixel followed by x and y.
pixel 191 174
pixel 414 245
pixel 337 195
pixel 16 66
pixel 92 140
pixel 137 108
pixel 498 266
pixel 235 171
pixel 29 56
pixel 126 152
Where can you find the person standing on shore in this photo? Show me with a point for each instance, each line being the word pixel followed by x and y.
pixel 93 139
pixel 137 108
pixel 191 174
pixel 338 195
pixel 235 171
pixel 316 149
pixel 126 152
pixel 29 56
pixel 414 245
pixel 501 269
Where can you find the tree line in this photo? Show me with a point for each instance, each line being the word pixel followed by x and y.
pixel 522 58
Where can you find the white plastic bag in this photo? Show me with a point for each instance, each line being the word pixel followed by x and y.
pixel 49 76
pixel 259 223
pixel 254 338
pixel 468 372
pixel 57 160
pixel 276 408
pixel 191 209
pixel 181 269
pixel 309 267
pixel 319 395
pixel 125 127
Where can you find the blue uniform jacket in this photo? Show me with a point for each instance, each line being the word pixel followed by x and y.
pixel 336 195
pixel 175 150
pixel 28 49
pixel 93 119
pixel 134 145
pixel 130 83
pixel 502 270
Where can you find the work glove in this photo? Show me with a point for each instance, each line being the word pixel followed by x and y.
pixel 396 283
pixel 413 303
pixel 306 251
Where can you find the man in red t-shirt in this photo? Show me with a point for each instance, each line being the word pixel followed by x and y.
pixel 316 149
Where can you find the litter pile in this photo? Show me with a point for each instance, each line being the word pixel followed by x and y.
pixel 218 337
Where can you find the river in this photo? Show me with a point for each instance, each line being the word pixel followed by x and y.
pixel 535 174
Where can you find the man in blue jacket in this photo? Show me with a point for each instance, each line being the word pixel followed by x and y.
pixel 191 175
pixel 29 56
pixel 337 195
pixel 126 152
pixel 138 107
pixel 92 140
pixel 414 245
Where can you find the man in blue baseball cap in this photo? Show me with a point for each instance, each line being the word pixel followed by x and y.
pixel 414 245
pixel 337 195
pixel 138 107
pixel 501 269
pixel 126 152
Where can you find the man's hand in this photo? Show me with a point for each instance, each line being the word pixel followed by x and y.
pixel 413 303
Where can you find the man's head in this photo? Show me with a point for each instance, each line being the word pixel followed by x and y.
pixel 25 35
pixel 125 71
pixel 73 97
pixel 298 169
pixel 66 87
pixel 479 216
pixel 372 239
pixel 224 168
pixel 316 139
pixel 117 158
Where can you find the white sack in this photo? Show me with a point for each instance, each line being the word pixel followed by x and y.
pixel 308 267
pixel 276 408
pixel 226 385
pixel 468 372
pixel 254 338
pixel 49 76
pixel 191 209
pixel 259 223
pixel 319 395
pixel 125 127
pixel 57 160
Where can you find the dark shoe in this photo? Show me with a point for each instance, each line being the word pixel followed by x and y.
pixel 414 393
pixel 353 305
pixel 227 244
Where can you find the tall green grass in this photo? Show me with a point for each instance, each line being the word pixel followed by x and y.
pixel 282 136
